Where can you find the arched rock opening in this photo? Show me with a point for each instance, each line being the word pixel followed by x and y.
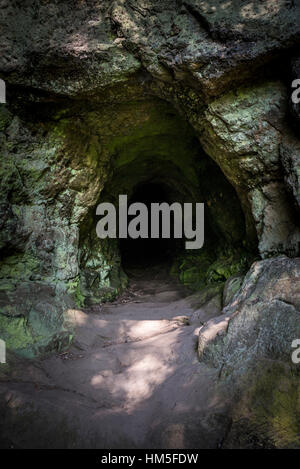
pixel 82 155
pixel 163 161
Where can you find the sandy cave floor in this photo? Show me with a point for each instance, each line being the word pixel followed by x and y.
pixel 131 379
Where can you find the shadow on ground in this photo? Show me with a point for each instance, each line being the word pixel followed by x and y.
pixel 131 379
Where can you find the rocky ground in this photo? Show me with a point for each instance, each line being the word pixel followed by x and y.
pixel 132 378
pixel 162 368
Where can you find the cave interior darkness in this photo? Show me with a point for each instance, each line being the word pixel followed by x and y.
pixel 159 161
pixel 145 252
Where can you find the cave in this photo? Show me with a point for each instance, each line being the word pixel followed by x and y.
pixel 161 160
pixel 133 343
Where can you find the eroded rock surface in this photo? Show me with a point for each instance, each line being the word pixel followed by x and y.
pixel 251 346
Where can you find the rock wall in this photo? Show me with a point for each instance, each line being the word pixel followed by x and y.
pixel 251 345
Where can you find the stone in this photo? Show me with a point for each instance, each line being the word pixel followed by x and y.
pixel 231 287
pixel 251 345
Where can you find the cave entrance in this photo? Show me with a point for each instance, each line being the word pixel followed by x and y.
pixel 148 252
pixel 154 156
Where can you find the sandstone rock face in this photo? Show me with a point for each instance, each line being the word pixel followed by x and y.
pixel 195 96
pixel 243 132
pixel 211 46
pixel 251 345
pixel 290 157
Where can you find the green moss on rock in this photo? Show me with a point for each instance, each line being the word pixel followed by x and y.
pixel 268 412
pixel 15 333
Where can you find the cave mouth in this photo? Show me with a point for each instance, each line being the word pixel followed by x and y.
pixel 155 159
pixel 149 252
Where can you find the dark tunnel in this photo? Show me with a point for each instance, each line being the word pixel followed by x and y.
pixel 146 252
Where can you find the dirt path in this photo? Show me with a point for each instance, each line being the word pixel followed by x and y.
pixel 131 379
